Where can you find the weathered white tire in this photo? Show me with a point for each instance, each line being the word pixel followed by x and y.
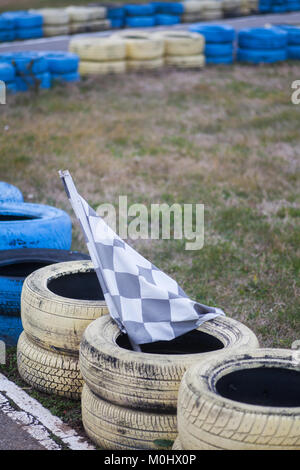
pixel 57 322
pixel 102 68
pixel 98 49
pixel 181 43
pixel 192 6
pixel 115 427
pixel 48 371
pixel 245 401
pixel 145 64
pixel 148 380
pixel 88 26
pixel 59 30
pixel 191 17
pixel 177 444
pixel 185 62
pixel 77 14
pixel 141 46
pixel 53 16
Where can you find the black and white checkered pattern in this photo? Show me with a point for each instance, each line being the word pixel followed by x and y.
pixel 145 302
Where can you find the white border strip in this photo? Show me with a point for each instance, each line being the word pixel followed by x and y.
pixel 37 420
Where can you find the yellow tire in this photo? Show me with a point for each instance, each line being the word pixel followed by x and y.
pixel 60 30
pixel 150 379
pixel 181 43
pixel 47 371
pixel 118 428
pixel 98 49
pixel 185 62
pixel 53 16
pixel 141 46
pixel 88 26
pixel 102 68
pixel 145 64
pixel 245 401
pixel 177 444
pixel 58 302
pixel 78 14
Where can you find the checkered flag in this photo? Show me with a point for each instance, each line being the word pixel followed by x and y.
pixel 144 302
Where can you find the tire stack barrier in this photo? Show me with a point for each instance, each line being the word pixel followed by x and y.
pixel 168 13
pixel 129 399
pixel 242 401
pixel 143 52
pixel 100 55
pixel 27 25
pixel 293 41
pixel 31 235
pixel 139 16
pixel 218 42
pixel 63 66
pixel 183 49
pixel 7 29
pixel 116 16
pixel 192 11
pixel 262 45
pixel 57 304
pixel 87 19
pixel 55 21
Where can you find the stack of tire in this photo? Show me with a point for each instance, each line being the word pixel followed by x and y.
pixel 279 6
pixel 129 398
pixel 99 55
pixel 55 21
pixel 27 24
pixel 116 16
pixel 7 29
pixel 211 9
pixel 293 5
pixel 231 8
pixel 242 401
pixel 262 45
pixel 192 11
pixel 31 70
pixel 139 16
pixel 58 302
pixel 63 66
pixel 8 77
pixel 293 41
pixel 168 13
pixel 183 49
pixel 143 51
pixel 86 19
pixel 31 235
pixel 219 42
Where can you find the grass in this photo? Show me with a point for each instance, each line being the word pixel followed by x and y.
pixel 224 137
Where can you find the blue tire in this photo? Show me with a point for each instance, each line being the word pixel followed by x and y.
pixel 139 10
pixel 66 77
pixel 15 266
pixel 117 23
pixel 25 20
pixel 7 36
pixel 7 72
pixel 42 81
pixel 11 87
pixel 293 52
pixel 222 49
pixel 168 8
pixel 6 57
pixel 140 21
pixel 219 60
pixel 214 33
pixel 262 38
pixel 29 63
pixel 261 56
pixel 162 19
pixel 10 193
pixel 6 24
pixel 115 13
pixel 293 6
pixel 62 62
pixel 26 225
pixel 293 33
pixel 278 8
pixel 29 33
